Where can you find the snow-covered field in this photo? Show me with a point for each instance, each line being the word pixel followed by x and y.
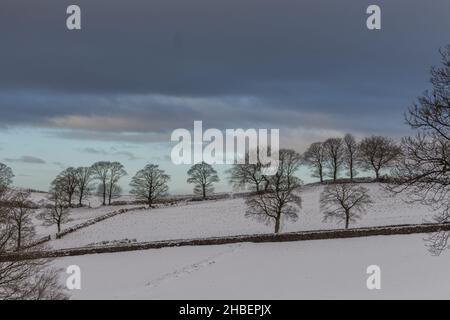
pixel 321 269
pixel 226 217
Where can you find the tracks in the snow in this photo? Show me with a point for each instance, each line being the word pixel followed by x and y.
pixel 191 268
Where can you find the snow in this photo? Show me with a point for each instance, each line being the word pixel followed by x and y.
pixel 38 198
pixel 226 217
pixel 321 269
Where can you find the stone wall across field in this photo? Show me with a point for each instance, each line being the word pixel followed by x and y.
pixel 258 238
pixel 38 242
pixel 95 220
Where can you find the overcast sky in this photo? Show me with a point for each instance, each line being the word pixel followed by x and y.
pixel 139 69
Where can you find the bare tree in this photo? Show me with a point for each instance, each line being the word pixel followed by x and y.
pixel 111 194
pixel 108 174
pixel 280 200
pixel 431 113
pixel 57 212
pixel 315 158
pixel 203 176
pixel 378 153
pixel 83 187
pixel 150 184
pixel 437 242
pixel 6 176
pixel 116 172
pixel 100 171
pixel 423 171
pixel 6 230
pixel 334 156
pixel 344 202
pixel 67 182
pixel 248 174
pixel 350 155
pixel 21 210
pixel 28 279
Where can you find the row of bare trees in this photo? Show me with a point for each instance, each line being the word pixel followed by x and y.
pixel 78 182
pixel 275 196
pixel 331 157
pixel 326 158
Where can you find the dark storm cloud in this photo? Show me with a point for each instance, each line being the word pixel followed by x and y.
pixel 160 64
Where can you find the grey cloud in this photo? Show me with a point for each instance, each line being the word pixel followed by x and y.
pixel 26 159
pixel 166 158
pixel 93 151
pixel 59 164
pixel 127 154
pixel 111 152
pixel 129 118
pixel 136 138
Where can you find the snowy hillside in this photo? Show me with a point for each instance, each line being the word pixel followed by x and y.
pixel 290 270
pixel 226 217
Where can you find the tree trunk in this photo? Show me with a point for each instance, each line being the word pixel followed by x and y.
pixel 377 174
pixel 104 193
pixel 321 174
pixel 70 195
pixel 111 186
pixel 19 238
pixel 277 225
pixel 80 200
pixel 266 187
pixel 149 198
pixel 347 219
pixel 351 169
pixel 204 191
pixel 59 226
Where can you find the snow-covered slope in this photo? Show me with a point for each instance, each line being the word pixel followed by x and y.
pixel 290 270
pixel 226 217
